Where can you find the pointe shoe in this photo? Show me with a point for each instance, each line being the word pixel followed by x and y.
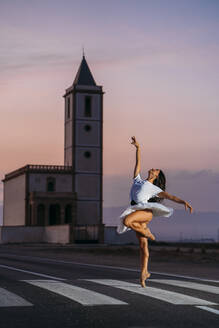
pixel 149 234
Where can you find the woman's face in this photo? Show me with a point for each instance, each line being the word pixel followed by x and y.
pixel 153 173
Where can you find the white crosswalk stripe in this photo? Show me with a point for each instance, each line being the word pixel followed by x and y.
pixel 188 284
pixel 77 294
pixel 87 297
pixel 160 294
pixel 10 299
pixel 206 308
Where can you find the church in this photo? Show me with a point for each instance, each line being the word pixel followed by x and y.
pixel 57 198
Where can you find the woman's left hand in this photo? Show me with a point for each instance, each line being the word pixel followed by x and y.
pixel 134 142
pixel 188 206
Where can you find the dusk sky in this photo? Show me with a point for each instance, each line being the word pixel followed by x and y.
pixel 158 64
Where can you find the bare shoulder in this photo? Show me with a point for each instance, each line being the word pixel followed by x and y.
pixel 164 194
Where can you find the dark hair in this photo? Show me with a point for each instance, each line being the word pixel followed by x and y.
pixel 160 181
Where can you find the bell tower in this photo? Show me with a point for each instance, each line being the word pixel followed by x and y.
pixel 84 146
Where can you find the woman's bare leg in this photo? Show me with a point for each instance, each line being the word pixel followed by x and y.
pixel 135 220
pixel 147 232
pixel 144 256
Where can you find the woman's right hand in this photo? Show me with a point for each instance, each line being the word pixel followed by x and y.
pixel 134 142
pixel 187 206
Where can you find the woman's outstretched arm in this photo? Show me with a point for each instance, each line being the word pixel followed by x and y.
pixel 175 199
pixel 138 157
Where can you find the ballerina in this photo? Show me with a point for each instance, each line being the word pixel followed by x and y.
pixel 145 196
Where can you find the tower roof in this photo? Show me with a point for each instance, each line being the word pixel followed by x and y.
pixel 84 76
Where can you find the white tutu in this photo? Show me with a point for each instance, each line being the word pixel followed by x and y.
pixel 157 209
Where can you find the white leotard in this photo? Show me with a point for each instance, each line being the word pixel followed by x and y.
pixel 142 190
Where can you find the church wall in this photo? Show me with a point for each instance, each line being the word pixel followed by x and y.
pixel 87 186
pixel 87 164
pixel 88 212
pixel 80 99
pixel 36 234
pixel 87 158
pixel 14 201
pixel 68 136
pixel 68 157
pixel 38 182
pixel 91 137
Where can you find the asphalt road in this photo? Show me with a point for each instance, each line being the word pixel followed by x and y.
pixel 41 292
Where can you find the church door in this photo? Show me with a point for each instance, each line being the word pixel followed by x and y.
pixel 54 214
pixel 41 215
pixel 68 215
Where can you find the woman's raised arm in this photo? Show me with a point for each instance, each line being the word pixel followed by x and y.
pixel 175 199
pixel 138 157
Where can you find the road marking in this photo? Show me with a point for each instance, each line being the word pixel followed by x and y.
pixel 184 277
pixel 160 294
pixel 77 294
pixel 188 284
pixel 10 299
pixel 206 308
pixel 108 267
pixel 30 272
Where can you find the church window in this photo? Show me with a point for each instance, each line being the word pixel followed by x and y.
pixel 68 107
pixel 50 184
pixel 87 127
pixel 87 106
pixel 87 154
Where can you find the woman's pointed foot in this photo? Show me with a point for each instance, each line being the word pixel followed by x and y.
pixel 147 275
pixel 148 234
pixel 143 283
pixel 143 278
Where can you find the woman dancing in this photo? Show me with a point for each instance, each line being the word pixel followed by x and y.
pixel 145 196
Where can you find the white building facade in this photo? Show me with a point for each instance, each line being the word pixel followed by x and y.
pixel 44 195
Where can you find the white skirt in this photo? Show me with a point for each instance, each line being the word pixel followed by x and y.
pixel 157 209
